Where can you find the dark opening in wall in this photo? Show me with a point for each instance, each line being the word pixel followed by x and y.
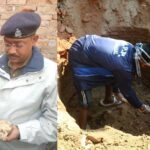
pixel 130 34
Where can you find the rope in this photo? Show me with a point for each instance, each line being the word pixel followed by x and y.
pixel 138 56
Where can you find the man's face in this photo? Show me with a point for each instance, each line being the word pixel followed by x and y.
pixel 19 50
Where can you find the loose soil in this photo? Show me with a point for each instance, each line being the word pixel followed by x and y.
pixel 113 128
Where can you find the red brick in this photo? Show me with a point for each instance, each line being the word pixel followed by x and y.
pixel 2 22
pixel 46 17
pixel 5 16
pixel 39 2
pixel 50 9
pixel 53 23
pixel 54 16
pixel 52 43
pixel 49 31
pixel 43 42
pixel 2 9
pixel 43 36
pixel 45 23
pixel 10 8
pixel 2 2
pixel 43 30
pixel 17 2
pixel 53 1
pixel 33 7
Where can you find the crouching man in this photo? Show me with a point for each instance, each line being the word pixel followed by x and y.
pixel 97 61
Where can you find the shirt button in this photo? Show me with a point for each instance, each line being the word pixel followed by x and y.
pixel 27 80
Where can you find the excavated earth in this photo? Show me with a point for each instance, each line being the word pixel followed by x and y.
pixel 113 128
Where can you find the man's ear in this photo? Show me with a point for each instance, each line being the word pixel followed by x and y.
pixel 35 39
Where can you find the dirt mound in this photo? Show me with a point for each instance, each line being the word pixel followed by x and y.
pixel 112 128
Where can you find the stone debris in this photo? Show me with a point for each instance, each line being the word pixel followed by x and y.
pixel 69 30
pixel 5 129
pixel 86 18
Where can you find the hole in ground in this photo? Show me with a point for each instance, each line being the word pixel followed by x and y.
pixel 123 117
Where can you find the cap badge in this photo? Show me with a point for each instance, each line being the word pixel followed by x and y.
pixel 18 33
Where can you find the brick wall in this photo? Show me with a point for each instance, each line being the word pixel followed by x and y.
pixel 48 29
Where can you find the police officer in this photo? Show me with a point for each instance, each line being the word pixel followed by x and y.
pixel 27 86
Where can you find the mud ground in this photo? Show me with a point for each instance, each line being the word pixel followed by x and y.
pixel 113 128
pixel 120 127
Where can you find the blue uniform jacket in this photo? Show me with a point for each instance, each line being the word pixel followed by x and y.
pixel 96 60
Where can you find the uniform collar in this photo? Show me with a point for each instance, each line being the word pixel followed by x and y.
pixel 35 64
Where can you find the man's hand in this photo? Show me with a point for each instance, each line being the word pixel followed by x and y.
pixel 13 135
